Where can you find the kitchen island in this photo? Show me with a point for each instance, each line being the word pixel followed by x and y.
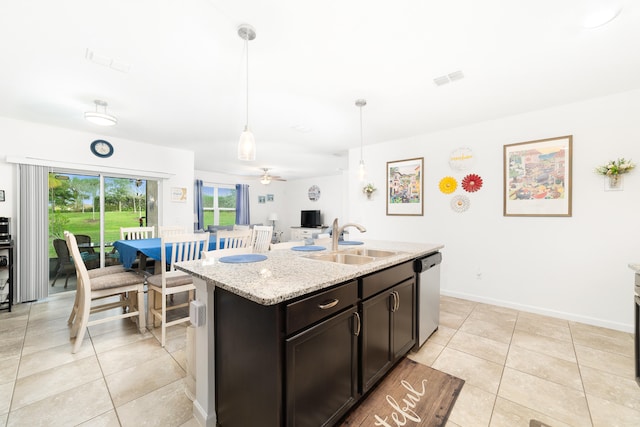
pixel 293 340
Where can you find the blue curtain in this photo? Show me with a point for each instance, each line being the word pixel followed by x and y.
pixel 198 223
pixel 242 204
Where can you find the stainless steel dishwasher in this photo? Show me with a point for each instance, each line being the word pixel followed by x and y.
pixel 428 307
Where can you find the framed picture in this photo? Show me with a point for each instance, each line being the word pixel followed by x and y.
pixel 404 187
pixel 179 194
pixel 537 177
pixel 261 199
pixel 1 195
pixel 269 197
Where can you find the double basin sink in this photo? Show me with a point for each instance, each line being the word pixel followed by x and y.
pixel 352 256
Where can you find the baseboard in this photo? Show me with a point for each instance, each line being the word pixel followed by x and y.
pixel 543 311
pixel 202 417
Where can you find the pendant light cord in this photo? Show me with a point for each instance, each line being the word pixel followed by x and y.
pixel 361 143
pixel 246 44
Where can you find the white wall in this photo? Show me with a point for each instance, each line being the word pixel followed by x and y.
pixel 332 202
pixel 58 145
pixel 576 267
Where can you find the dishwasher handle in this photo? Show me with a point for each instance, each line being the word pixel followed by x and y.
pixel 427 263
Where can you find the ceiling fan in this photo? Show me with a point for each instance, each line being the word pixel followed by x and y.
pixel 266 178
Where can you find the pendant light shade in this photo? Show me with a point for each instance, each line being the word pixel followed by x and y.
pixel 100 118
pixel 247 146
pixel 247 143
pixel 361 169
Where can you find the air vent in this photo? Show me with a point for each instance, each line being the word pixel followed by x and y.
pixel 114 64
pixel 448 78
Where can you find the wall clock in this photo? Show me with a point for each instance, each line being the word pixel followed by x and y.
pixel 101 148
pixel 314 193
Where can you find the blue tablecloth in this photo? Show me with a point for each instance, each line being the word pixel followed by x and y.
pixel 128 249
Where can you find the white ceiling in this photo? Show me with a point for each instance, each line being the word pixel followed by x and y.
pixel 185 86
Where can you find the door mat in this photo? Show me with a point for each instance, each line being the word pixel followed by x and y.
pixel 410 395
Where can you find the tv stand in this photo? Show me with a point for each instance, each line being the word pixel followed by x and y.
pixel 301 233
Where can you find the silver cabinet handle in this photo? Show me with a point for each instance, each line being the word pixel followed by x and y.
pixel 396 301
pixel 329 304
pixel 357 324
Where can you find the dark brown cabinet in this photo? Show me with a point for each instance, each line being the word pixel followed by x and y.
pixel 388 322
pixel 306 362
pixel 388 330
pixel 322 371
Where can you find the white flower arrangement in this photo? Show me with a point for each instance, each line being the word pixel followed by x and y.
pixel 616 167
pixel 368 189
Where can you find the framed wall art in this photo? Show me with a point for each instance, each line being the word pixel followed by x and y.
pixel 405 187
pixel 178 194
pixel 537 177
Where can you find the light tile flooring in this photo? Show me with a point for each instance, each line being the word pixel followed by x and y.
pixel 517 366
pixel 119 377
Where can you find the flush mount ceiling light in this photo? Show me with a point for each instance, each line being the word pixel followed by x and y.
pixel 247 143
pixel 361 170
pixel 100 118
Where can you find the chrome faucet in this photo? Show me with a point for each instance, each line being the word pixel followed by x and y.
pixel 337 231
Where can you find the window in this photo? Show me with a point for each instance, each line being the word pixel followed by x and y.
pixel 219 204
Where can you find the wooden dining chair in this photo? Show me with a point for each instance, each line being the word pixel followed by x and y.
pixel 168 230
pixel 174 248
pixel 233 239
pixel 100 287
pixel 241 226
pixel 137 233
pixel 261 238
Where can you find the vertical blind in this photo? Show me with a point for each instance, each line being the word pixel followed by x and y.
pixel 33 233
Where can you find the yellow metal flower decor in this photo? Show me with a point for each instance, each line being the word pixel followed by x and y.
pixel 614 168
pixel 448 185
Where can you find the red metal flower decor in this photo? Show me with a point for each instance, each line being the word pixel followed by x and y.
pixel 472 183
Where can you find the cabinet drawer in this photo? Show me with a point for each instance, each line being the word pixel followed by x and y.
pixel 385 279
pixel 316 307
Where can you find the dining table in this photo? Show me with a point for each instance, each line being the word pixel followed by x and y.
pixel 128 250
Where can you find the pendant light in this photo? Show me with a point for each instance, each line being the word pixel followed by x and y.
pixel 361 170
pixel 98 118
pixel 247 143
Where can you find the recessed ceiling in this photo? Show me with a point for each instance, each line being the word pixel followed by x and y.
pixel 175 70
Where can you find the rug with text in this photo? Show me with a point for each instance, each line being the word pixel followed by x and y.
pixel 412 394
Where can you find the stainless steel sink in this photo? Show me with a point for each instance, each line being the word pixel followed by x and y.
pixel 342 258
pixel 376 253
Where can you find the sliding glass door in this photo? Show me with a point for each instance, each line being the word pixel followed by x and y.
pixel 93 207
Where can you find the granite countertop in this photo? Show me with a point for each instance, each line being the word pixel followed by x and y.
pixel 287 274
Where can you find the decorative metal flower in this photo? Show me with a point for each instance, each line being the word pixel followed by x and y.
pixel 471 183
pixel 448 185
pixel 460 203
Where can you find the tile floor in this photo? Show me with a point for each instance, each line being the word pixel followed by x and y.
pixel 517 366
pixel 118 377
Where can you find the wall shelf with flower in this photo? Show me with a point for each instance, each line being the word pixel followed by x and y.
pixel 368 190
pixel 613 172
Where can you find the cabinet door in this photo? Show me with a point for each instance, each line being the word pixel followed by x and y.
pixel 404 315
pixel 377 356
pixel 321 376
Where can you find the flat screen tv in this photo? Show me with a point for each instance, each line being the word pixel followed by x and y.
pixel 310 219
